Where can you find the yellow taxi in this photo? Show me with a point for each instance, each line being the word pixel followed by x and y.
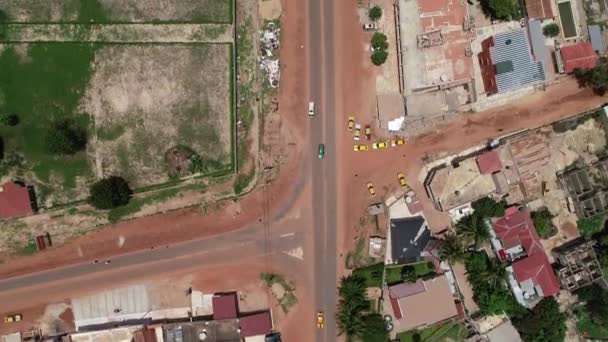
pixel 361 147
pixel 351 123
pixel 400 141
pixel 12 318
pixel 320 319
pixel 401 178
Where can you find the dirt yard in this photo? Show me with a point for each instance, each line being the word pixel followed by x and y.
pixel 147 99
pixel 116 10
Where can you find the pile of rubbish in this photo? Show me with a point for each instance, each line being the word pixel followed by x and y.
pixel 268 61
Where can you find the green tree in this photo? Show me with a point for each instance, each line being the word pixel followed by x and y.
pixel 499 9
pixel 379 57
pixel 544 323
pixel 375 13
pixel 408 274
pixel 542 222
pixel 110 193
pixel 487 207
pixel 472 230
pixel 379 41
pixel 495 274
pixel 375 328
pixel 551 30
pixel 596 78
pixel 66 137
pixel 596 303
pixel 451 249
pixel 351 305
pixel 10 120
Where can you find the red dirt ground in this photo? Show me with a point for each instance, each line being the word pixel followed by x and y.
pixel 557 102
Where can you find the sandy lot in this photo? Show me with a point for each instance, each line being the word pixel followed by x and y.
pixel 117 10
pixel 146 99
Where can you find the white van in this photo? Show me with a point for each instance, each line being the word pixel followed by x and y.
pixel 311 109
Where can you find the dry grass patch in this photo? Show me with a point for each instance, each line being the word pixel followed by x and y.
pixel 146 99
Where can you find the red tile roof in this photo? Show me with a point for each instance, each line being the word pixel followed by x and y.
pixel 489 162
pixel 224 306
pixel 256 324
pixel 578 56
pixel 537 268
pixel 516 228
pixel 14 200
pixel 539 9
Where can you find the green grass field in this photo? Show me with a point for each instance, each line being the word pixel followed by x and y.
pixel 40 85
pixel 393 274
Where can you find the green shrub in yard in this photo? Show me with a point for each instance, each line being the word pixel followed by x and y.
pixel 542 222
pixel 551 30
pixel 10 120
pixel 375 13
pixel 379 41
pixel 379 57
pixel 591 225
pixel 408 274
pixel 110 193
pixel 486 207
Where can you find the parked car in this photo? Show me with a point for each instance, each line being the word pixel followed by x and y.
pixel 400 141
pixel 12 318
pixel 311 109
pixel 379 145
pixel 370 188
pixel 351 123
pixel 321 151
pixel 320 319
pixel 368 132
pixel 357 132
pixel 369 27
pixel 361 147
pixel 401 178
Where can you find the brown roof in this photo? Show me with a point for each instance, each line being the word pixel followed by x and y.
pixel 489 162
pixel 224 306
pixel 256 324
pixel 539 9
pixel 434 305
pixel 14 200
pixel 406 289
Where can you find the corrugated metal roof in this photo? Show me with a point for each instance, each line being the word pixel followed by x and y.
pixel 537 40
pixel 515 47
pixel 595 35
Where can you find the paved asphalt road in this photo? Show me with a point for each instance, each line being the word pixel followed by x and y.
pixel 51 285
pixel 322 128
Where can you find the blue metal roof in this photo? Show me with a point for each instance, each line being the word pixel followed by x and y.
pixel 514 47
pixel 595 35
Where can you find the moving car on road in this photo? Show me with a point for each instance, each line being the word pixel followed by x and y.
pixel 351 123
pixel 357 132
pixel 321 151
pixel 12 318
pixel 368 132
pixel 320 319
pixel 370 188
pixel 311 109
pixel 401 178
pixel 361 147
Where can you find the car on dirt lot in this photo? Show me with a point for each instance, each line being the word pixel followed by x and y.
pixel 401 178
pixel 361 147
pixel 393 142
pixel 320 319
pixel 400 141
pixel 357 132
pixel 12 318
pixel 368 132
pixel 379 145
pixel 321 151
pixel 311 109
pixel 369 27
pixel 370 188
pixel 351 123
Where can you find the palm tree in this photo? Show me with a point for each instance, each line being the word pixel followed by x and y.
pixel 451 249
pixel 495 274
pixel 473 230
pixel 352 304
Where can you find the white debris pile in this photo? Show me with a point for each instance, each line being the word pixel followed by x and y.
pixel 268 61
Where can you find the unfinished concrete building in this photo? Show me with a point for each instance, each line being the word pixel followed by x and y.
pixel 588 188
pixel 578 264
